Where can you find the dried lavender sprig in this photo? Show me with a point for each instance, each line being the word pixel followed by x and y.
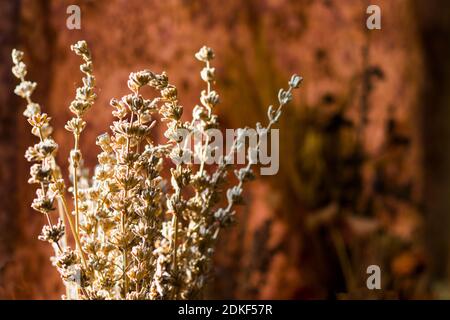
pixel 83 101
pixel 47 172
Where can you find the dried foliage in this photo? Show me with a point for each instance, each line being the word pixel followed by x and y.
pixel 137 235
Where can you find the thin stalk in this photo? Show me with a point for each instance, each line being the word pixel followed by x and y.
pixel 48 219
pixel 205 147
pixel 209 82
pixel 344 260
pixel 202 164
pixel 175 251
pixel 75 188
pixel 64 242
pixel 59 247
pixel 123 216
pixel 175 240
pixel 138 146
pixel 85 293
pixel 124 257
pixel 61 216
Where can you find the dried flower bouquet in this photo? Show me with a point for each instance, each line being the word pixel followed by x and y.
pixel 136 236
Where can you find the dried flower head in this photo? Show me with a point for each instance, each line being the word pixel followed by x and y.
pixel 205 54
pixel 52 233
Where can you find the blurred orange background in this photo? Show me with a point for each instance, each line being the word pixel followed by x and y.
pixel 364 170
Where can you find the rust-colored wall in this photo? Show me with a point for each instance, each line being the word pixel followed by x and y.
pixel 8 187
pixel 369 79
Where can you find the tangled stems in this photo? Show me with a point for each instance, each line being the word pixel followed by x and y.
pixel 138 236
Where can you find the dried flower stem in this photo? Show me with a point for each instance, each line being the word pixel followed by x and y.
pixel 75 190
pixel 124 212
pixel 73 230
